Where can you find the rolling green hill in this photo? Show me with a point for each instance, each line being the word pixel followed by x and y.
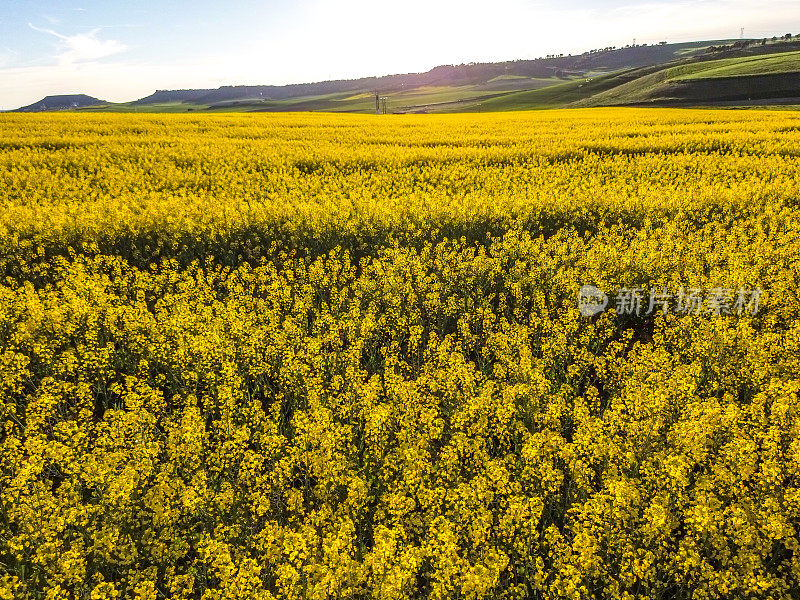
pixel 561 94
pixel 785 62
pixel 745 72
pixel 745 79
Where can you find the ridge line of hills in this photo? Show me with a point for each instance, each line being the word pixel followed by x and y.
pixel 717 72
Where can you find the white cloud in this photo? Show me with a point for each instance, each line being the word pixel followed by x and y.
pixel 82 47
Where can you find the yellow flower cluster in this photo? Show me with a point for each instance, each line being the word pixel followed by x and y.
pixel 340 356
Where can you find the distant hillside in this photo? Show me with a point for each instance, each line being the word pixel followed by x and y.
pixel 166 96
pixel 688 73
pixel 742 79
pixel 473 74
pixel 63 102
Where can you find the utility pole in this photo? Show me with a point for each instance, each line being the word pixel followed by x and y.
pixel 377 103
pixel 384 104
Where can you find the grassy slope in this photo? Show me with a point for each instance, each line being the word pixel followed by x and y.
pixel 633 86
pixel 560 94
pixel 513 92
pixel 130 107
pixel 637 90
pixel 786 62
pixel 553 95
pixel 655 86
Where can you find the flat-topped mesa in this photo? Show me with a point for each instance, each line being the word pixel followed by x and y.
pixel 62 102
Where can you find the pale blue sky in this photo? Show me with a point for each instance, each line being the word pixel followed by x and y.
pixel 122 51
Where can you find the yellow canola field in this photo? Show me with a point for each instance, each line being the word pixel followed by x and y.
pixel 309 356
